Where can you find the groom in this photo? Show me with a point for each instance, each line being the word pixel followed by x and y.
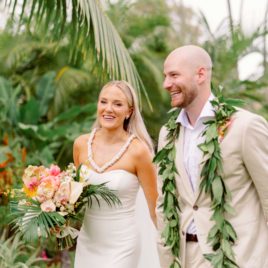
pixel 244 158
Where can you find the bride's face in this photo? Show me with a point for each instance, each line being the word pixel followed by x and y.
pixel 113 108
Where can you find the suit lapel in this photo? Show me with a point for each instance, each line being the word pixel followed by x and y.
pixel 180 165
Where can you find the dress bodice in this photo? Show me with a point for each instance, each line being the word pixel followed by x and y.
pixel 124 184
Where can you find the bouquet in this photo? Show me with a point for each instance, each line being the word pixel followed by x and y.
pixel 50 198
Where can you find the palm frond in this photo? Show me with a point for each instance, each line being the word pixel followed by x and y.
pixel 205 21
pixel 33 223
pixel 67 81
pixel 89 27
pixel 100 191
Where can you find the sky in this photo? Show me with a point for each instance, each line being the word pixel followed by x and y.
pixel 253 13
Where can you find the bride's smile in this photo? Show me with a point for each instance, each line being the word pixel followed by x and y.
pixel 113 108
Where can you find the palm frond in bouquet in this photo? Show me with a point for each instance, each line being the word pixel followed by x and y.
pixel 50 198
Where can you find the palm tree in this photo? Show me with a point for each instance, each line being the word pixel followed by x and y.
pixel 226 49
pixel 90 28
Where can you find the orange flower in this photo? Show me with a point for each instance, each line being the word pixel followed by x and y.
pixel 30 192
pixel 5 139
pixel 23 154
pixel 222 129
pixel 10 158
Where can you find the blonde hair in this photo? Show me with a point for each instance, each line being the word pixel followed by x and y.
pixel 134 124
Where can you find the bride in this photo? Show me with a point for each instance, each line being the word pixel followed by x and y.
pixel 118 151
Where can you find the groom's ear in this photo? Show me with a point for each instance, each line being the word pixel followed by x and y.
pixel 201 74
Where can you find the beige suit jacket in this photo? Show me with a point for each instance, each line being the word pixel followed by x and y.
pixel 245 164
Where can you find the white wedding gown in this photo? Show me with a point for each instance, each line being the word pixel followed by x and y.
pixel 117 236
pixel 120 236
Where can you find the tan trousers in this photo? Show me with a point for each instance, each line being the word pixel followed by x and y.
pixel 194 257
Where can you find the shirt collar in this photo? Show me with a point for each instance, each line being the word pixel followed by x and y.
pixel 207 111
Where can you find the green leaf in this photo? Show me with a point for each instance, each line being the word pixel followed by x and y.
pixel 165 232
pixel 73 112
pixel 212 233
pixel 170 199
pixel 173 223
pixel 172 154
pixel 227 249
pixel 162 154
pixel 217 259
pixel 229 209
pixel 230 231
pixel 203 147
pixel 30 112
pixel 170 187
pixel 217 190
pixel 45 92
pixel 218 217
pixel 235 102
pixel 212 168
pixel 175 264
pixel 166 173
pixel 211 132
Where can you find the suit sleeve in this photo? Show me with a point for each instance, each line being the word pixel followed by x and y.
pixel 164 252
pixel 255 154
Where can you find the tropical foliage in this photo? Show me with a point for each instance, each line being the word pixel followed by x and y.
pixel 56 55
pixel 88 27
pixel 14 253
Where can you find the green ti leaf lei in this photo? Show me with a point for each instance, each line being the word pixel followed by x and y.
pixel 222 235
pixel 165 158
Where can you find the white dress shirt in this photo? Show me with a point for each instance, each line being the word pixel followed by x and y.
pixel 192 155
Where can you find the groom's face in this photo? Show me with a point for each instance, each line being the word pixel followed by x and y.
pixel 180 82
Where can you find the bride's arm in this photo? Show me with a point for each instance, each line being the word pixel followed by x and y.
pixel 146 173
pixel 76 151
pixel 80 149
pixel 77 146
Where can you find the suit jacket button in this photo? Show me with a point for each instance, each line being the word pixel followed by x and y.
pixel 195 207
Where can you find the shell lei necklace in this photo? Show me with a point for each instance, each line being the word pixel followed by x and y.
pixel 113 160
pixel 222 235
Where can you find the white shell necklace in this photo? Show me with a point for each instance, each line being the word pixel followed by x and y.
pixel 113 160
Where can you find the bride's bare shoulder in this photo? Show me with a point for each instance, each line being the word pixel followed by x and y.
pixel 139 149
pixel 81 140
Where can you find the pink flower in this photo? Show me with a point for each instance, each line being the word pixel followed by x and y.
pixel 48 206
pixel 63 194
pixel 32 177
pixel 53 180
pixel 46 189
pixel 32 183
pixel 54 170
pixel 44 255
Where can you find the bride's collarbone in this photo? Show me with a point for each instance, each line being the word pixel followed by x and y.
pixel 124 163
pixel 105 156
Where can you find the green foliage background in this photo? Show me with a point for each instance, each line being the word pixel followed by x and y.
pixel 53 63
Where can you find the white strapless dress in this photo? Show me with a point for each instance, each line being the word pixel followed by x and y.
pixel 117 236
